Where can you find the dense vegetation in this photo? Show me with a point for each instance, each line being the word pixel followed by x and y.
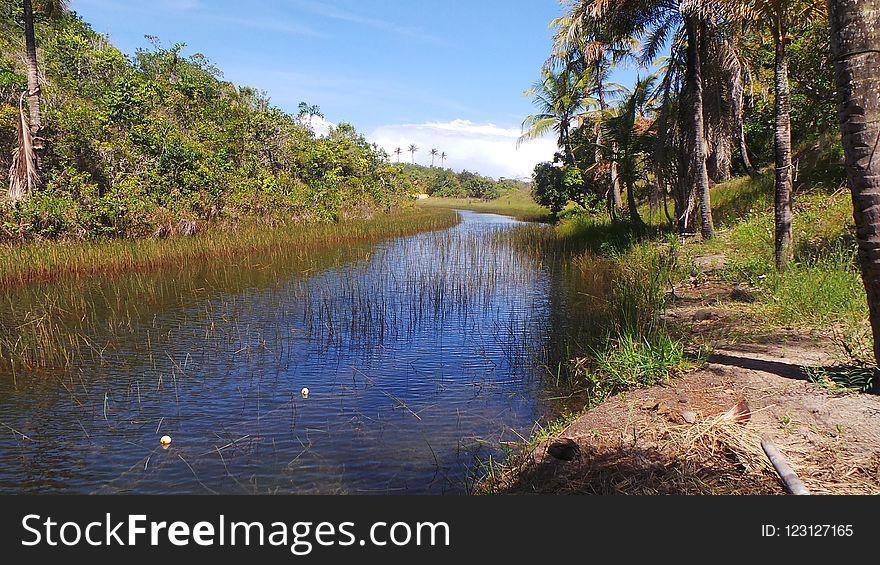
pixel 733 123
pixel 159 141
pixel 722 100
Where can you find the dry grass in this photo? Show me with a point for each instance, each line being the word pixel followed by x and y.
pixel 718 455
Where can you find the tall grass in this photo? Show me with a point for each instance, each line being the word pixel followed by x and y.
pixel 102 293
pixel 618 287
pixel 40 261
pixel 822 288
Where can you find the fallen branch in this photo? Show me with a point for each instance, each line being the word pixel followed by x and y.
pixel 789 478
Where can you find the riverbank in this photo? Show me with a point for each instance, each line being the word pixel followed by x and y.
pixel 701 432
pixel 31 261
pixel 777 356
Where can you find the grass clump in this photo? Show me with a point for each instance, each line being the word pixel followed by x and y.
pixel 843 378
pixel 631 361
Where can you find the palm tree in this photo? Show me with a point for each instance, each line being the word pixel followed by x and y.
pixel 397 152
pixel 561 102
pixel 590 55
pixel 26 171
pixel 658 21
pixel 855 45
pixel 412 149
pixel 310 110
pixel 443 157
pixel 433 153
pixel 628 131
pixel 779 17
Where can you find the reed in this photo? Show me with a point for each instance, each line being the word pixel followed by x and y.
pixel 29 262
pixel 68 302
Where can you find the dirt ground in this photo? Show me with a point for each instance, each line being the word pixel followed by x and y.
pixel 701 433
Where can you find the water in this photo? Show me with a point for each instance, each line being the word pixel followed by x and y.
pixel 421 354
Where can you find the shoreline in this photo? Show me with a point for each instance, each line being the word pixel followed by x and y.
pixel 701 432
pixel 46 261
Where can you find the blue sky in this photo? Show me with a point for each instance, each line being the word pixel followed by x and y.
pixel 444 74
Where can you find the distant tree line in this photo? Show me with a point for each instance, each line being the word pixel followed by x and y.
pixel 436 181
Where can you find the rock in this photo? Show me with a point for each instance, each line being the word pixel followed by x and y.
pixel 742 295
pixel 689 417
pixel 564 449
pixel 704 315
pixel 710 262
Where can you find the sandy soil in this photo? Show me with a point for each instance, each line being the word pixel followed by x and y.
pixel 675 438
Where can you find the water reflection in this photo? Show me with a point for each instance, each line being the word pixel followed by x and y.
pixel 421 353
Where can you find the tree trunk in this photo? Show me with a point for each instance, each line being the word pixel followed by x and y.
pixel 744 151
pixel 33 81
pixel 855 44
pixel 782 198
pixel 741 131
pixel 616 199
pixel 637 223
pixel 698 137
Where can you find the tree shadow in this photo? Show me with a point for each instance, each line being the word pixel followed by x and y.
pixel 786 370
pixel 836 377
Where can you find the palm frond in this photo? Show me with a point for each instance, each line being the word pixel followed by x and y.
pixel 23 175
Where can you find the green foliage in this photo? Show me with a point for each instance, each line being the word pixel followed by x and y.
pixel 446 183
pixel 811 84
pixel 843 379
pixel 138 141
pixel 552 186
pixel 630 361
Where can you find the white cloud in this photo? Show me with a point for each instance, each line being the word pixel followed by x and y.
pixel 321 126
pixel 482 148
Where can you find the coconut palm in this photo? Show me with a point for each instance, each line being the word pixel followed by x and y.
pixel 26 170
pixel 588 53
pixel 855 44
pixel 627 129
pixel 397 152
pixel 310 110
pixel 657 21
pixel 412 150
pixel 443 157
pixel 433 153
pixel 562 103
pixel 777 17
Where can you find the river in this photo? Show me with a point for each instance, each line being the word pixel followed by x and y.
pixel 422 355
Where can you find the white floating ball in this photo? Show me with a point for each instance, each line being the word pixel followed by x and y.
pixel 165 441
pixel 304 392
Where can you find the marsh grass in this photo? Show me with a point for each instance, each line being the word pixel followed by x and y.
pixel 77 301
pixel 618 290
pixel 43 261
